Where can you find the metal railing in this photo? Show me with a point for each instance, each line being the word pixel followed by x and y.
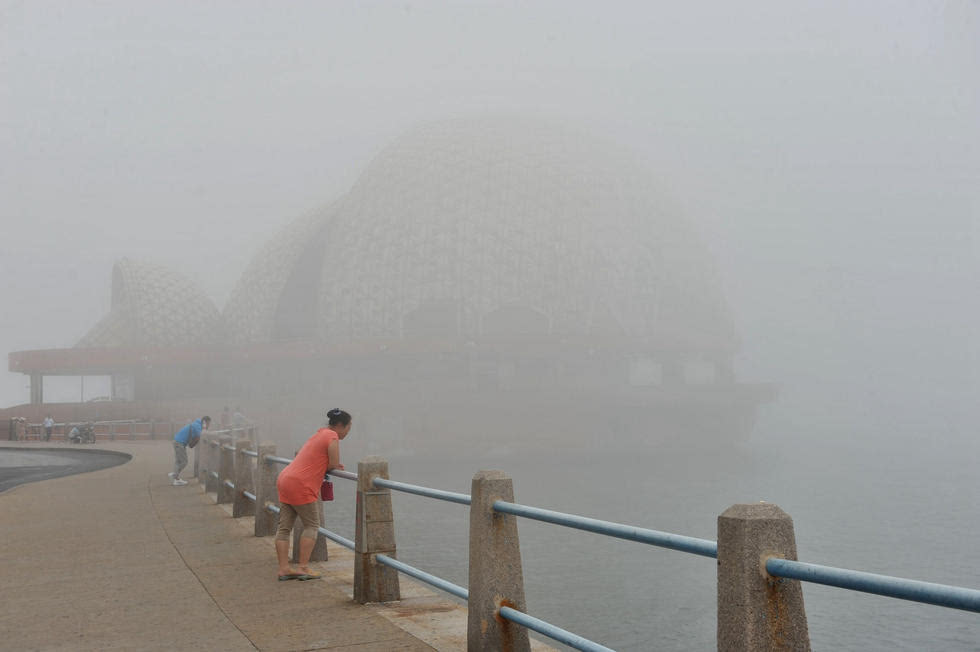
pixel 942 595
pixel 526 620
pixel 702 547
pixel 129 428
pixel 895 587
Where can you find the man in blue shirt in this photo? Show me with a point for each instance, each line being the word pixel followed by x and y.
pixel 189 435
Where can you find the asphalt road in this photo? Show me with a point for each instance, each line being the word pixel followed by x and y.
pixel 20 466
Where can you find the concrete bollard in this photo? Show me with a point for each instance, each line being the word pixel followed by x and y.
pixel 755 610
pixel 243 479
pixel 496 574
pixel 319 552
pixel 212 455
pixel 201 459
pixel 226 470
pixel 197 456
pixel 374 533
pixel 266 493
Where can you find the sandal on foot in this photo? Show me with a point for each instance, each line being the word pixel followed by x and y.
pixel 291 576
pixel 309 576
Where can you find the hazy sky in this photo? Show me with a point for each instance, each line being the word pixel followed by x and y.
pixel 827 152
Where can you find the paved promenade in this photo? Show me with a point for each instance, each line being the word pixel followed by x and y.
pixel 117 559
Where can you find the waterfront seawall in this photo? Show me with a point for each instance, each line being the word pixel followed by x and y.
pixel 119 559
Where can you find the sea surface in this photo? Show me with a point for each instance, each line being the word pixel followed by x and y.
pixel 905 507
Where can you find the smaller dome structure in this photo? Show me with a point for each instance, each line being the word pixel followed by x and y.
pixel 153 306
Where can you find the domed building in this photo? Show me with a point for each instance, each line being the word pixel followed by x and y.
pixel 153 306
pixel 467 230
pixel 159 326
pixel 473 264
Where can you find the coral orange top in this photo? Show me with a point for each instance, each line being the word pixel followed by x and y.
pixel 299 483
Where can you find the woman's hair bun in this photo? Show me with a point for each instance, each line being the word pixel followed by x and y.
pixel 336 416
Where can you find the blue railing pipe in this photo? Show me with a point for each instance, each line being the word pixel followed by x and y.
pixel 549 630
pixel 347 543
pixel 249 495
pixel 894 587
pixel 702 547
pixel 438 494
pixel 912 590
pixel 432 580
pixel 251 453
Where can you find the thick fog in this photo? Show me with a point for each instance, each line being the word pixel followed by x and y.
pixel 826 153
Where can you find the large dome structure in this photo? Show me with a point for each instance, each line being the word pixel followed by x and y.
pixel 476 229
pixel 254 309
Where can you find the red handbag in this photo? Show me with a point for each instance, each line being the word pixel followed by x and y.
pixel 326 490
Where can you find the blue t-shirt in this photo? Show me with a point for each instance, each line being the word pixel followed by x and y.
pixel 191 431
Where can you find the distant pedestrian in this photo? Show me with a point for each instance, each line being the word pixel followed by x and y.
pixel 189 435
pixel 299 488
pixel 225 418
pixel 48 427
pixel 238 419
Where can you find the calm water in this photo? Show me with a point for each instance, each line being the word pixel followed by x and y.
pixel 908 508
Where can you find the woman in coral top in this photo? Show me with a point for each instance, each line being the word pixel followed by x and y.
pixel 299 488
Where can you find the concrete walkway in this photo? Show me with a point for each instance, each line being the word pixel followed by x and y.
pixel 117 559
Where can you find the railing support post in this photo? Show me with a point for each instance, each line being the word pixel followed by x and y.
pixel 210 482
pixel 374 533
pixel 226 470
pixel 496 573
pixel 755 610
pixel 319 552
pixel 197 458
pixel 265 492
pixel 243 478
pixel 201 459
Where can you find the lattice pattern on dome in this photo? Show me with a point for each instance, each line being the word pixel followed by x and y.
pixel 497 213
pixel 486 215
pixel 251 310
pixel 153 306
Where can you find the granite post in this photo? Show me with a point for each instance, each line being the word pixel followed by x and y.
pixel 201 453
pixel 243 479
pixel 197 456
pixel 226 470
pixel 757 611
pixel 374 533
pixel 213 453
pixel 496 574
pixel 266 493
pixel 319 548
